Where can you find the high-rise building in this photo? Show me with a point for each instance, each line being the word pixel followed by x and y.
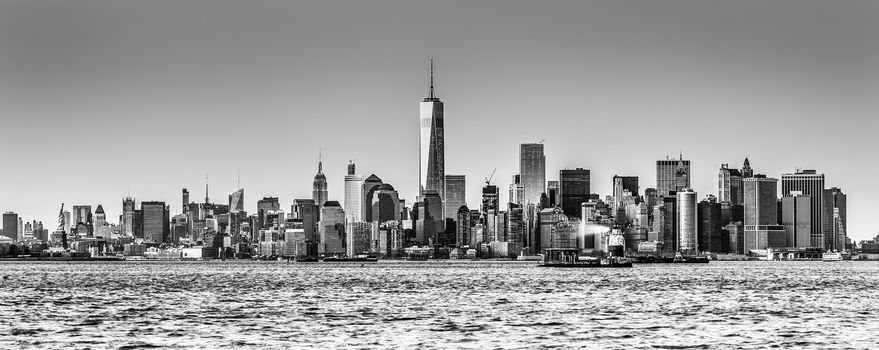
pixel 431 220
pixel 711 237
pixel 353 194
pixel 796 217
pixel 156 221
pixel 332 230
pixel 431 176
pixel 746 169
pixel 367 189
pixel 358 237
pixel 463 226
pixel 307 211
pixel 552 192
pixel 532 172
pixel 185 200
pixel 10 225
pixel 319 188
pixel 489 199
pixel 836 218
pixel 808 183
pixel 516 190
pixel 761 214
pixel 672 175
pixel 128 206
pixel 455 195
pixel 729 185
pixel 385 204
pixel 622 184
pixel 574 187
pixel 236 200
pixel 82 214
pixel 264 207
pixel 687 220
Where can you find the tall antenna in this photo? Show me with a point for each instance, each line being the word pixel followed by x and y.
pixel 206 200
pixel 431 78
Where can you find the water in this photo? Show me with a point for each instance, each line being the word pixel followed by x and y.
pixel 474 305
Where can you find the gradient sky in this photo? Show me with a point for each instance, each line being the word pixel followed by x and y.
pixel 99 97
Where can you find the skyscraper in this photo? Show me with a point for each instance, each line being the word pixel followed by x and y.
pixel 353 194
pixel 156 220
pixel 532 172
pixel 761 214
pixel 746 169
pixel 729 185
pixel 431 176
pixel 489 199
pixel 622 184
pixel 687 219
pixel 10 225
pixel 796 217
pixel 185 200
pixel 367 189
pixel 574 187
pixel 672 175
pixel 552 192
pixel 332 229
pixel 455 195
pixel 319 188
pixel 236 200
pixel 264 207
pixel 808 183
pixel 835 211
pixel 128 217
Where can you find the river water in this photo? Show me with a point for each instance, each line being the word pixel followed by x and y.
pixel 478 305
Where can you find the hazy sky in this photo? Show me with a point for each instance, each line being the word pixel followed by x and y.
pixel 100 96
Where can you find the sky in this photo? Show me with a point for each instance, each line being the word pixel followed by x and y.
pixel 102 99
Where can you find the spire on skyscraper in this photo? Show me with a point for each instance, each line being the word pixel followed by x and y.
pixel 431 79
pixel 206 199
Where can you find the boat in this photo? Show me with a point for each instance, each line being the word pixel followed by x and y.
pixel 831 256
pixel 358 258
pixel 570 258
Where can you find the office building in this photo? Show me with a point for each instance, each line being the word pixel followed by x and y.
pixel 552 192
pixel 359 238
pixel 431 175
pixel 127 220
pixel 236 200
pixel 729 185
pixel 430 218
pixel 264 207
pixel 809 183
pixel 672 175
pixel 353 194
pixel 796 218
pixel 10 225
pixel 319 187
pixel 455 195
pixel 711 236
pixel 761 228
pixel 687 220
pixel 835 212
pixel 156 221
pixel 332 230
pixel 385 204
pixel 370 184
pixel 622 184
pixel 574 190
pixel 532 173
pixel 490 199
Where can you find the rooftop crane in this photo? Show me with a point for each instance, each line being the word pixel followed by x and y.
pixel 488 179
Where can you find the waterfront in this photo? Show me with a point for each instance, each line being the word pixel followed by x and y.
pixel 437 304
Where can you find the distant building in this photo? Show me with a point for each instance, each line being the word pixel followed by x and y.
pixel 264 207
pixel 463 225
pixel 156 221
pixel 672 175
pixel 762 230
pixel 127 220
pixel 456 195
pixel 835 216
pixel 332 230
pixel 622 184
pixel 307 211
pixel 10 225
pixel 236 200
pixel 532 172
pixel 353 194
pixel 319 187
pixel 385 205
pixel 711 237
pixel 489 199
pixel 370 184
pixel 809 183
pixel 687 220
pixel 729 185
pixel 552 192
pixel 431 175
pixel 430 218
pixel 796 218
pixel 574 188
pixel 359 238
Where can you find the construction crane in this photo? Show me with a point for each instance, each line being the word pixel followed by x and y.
pixel 541 141
pixel 488 179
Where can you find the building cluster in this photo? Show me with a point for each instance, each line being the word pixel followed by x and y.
pixel 746 216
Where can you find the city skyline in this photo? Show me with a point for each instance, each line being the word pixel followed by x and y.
pixel 133 136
